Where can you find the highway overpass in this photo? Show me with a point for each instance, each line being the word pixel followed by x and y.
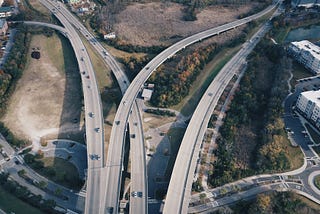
pixel 117 140
pixel 138 171
pixel 179 191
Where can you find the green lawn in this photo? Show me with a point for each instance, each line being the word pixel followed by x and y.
pixel 175 136
pixel 298 72
pixel 102 71
pixel 11 204
pixel 65 174
pixel 317 181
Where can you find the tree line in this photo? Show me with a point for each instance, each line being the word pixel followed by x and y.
pixel 174 78
pixel 257 107
pixel 24 194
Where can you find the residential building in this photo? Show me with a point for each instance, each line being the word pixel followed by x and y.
pixel 5 12
pixel 3 27
pixel 308 104
pixel 305 3
pixel 307 54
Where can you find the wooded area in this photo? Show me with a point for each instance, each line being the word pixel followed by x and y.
pixel 276 202
pixel 253 133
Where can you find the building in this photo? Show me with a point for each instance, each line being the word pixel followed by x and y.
pixel 111 35
pixel 146 94
pixel 308 104
pixel 307 54
pixel 5 12
pixel 3 27
pixel 305 3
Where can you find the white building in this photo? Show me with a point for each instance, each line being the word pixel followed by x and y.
pixel 309 104
pixel 305 3
pixel 307 54
pixel 146 94
pixel 111 35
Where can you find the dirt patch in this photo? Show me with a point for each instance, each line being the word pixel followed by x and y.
pixel 160 23
pixel 45 102
pixel 154 121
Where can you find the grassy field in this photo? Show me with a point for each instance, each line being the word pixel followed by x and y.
pixel 175 136
pixel 11 204
pixel 66 173
pixel 317 181
pixel 102 71
pixel 39 7
pixel 298 72
pixel 314 135
pixel 190 102
pixel 294 154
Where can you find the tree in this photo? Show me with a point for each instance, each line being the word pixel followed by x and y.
pixel 202 197
pixel 29 158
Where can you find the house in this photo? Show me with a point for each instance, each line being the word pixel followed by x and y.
pixel 3 27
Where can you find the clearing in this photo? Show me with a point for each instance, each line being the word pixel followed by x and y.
pixel 48 97
pixel 160 23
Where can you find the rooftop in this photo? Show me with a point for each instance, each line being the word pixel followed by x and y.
pixel 307 3
pixel 308 46
pixel 147 93
pixel 313 96
pixel 5 9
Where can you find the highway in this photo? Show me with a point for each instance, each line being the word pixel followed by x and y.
pixel 117 139
pixel 93 118
pixel 138 178
pixel 179 190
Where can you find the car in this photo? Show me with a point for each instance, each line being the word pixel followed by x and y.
pixel 94 157
pixel 109 210
pixel 136 194
pixel 150 155
pixel 117 122
pixel 83 72
pixel 133 136
pixel 88 77
pixel 91 114
pixel 81 58
pixel 97 129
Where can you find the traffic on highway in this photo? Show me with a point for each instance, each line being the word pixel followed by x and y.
pixel 104 172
